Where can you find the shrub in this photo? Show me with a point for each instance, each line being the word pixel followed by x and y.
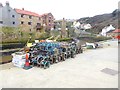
pixel 44 35
pixel 101 38
pixel 64 39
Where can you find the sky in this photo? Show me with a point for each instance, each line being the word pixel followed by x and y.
pixel 68 9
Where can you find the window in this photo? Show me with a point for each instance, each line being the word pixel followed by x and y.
pixel 38 24
pixel 39 18
pixel 49 20
pixel 22 15
pixel 13 16
pixel 22 22
pixel 30 17
pixel 13 22
pixel 1 22
pixel 29 23
pixel 9 10
pixel 50 17
pixel 49 24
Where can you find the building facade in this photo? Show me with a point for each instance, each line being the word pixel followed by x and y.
pixel 107 29
pixel 25 20
pixel 47 20
pixel 28 21
pixel 8 16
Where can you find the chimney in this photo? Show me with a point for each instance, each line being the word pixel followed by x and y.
pixel 7 3
pixel 22 8
pixel 1 5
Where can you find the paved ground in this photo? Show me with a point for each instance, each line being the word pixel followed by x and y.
pixel 84 71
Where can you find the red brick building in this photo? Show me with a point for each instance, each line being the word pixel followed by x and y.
pixel 28 21
pixel 48 20
pixel 31 21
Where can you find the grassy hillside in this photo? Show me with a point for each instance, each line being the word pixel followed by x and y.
pixel 15 35
pixel 98 22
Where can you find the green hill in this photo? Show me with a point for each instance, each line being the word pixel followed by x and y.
pixel 100 21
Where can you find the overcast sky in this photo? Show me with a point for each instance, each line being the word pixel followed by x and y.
pixel 69 9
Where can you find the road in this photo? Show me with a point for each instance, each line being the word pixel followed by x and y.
pixel 84 71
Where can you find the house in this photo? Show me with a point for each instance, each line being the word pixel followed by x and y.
pixel 28 21
pixel 110 33
pixel 24 19
pixel 85 26
pixel 116 34
pixel 76 25
pixel 107 29
pixel 8 16
pixel 82 26
pixel 32 21
pixel 47 20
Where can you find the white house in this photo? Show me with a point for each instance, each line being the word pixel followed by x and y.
pixel 87 26
pixel 84 26
pixel 106 29
pixel 76 25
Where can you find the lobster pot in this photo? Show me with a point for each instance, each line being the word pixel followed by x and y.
pixel 18 60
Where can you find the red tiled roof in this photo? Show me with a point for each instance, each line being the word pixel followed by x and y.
pixel 116 31
pixel 118 37
pixel 27 12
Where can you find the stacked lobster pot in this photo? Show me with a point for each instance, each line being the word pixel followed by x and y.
pixel 44 54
